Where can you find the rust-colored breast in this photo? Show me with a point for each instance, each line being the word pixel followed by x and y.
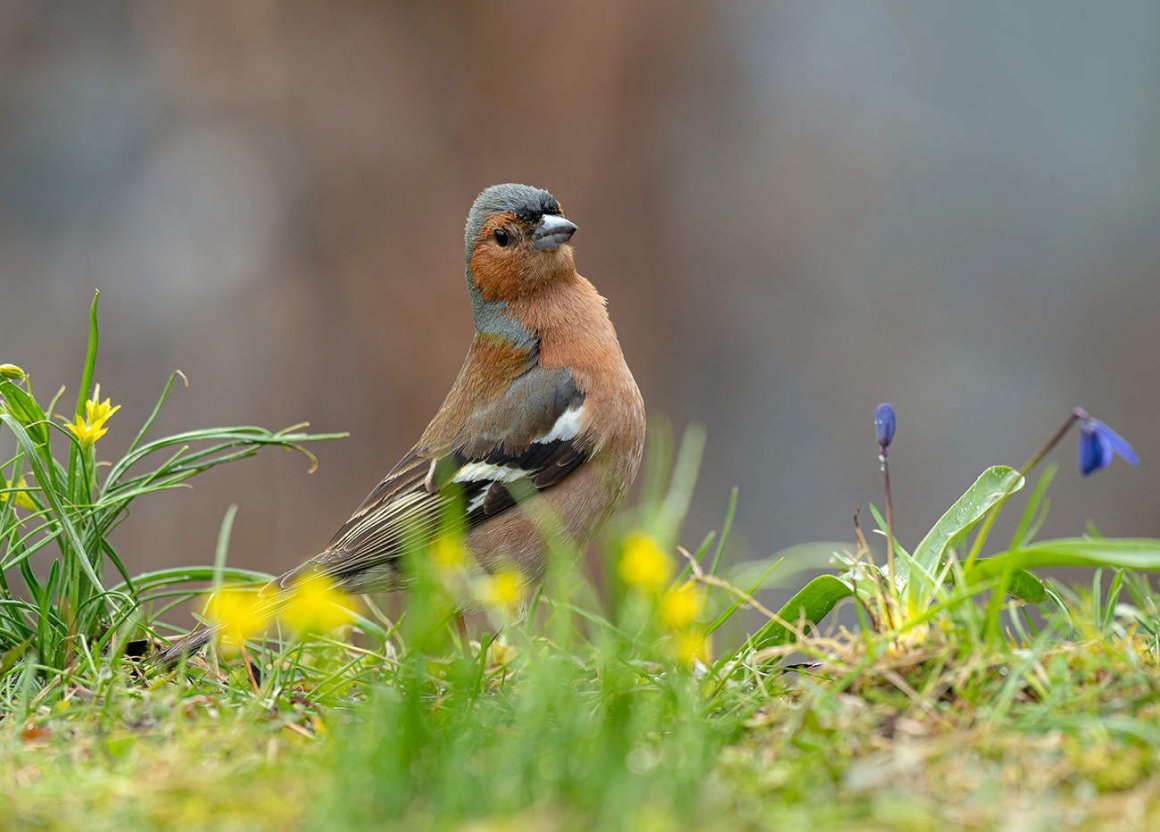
pixel 491 365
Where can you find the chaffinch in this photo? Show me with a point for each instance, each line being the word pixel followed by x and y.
pixel 544 400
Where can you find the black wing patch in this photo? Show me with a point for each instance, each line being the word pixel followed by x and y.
pixel 533 442
pixel 539 467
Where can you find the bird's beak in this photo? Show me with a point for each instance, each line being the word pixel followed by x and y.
pixel 552 232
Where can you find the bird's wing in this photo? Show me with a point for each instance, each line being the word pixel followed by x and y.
pixel 532 435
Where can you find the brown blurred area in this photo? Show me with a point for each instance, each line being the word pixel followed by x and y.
pixel 796 210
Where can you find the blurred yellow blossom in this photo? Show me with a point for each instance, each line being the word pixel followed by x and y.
pixel 238 615
pixel 11 371
pixel 644 565
pixel 449 552
pixel 502 590
pixel 315 605
pixel 19 494
pixel 681 606
pixel 499 654
pixel 92 427
pixel 691 646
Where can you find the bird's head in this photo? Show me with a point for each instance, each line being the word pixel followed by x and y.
pixel 516 244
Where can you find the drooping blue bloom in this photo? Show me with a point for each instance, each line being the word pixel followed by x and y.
pixel 1099 444
pixel 884 424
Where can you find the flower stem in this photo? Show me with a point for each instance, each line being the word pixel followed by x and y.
pixel 883 458
pixel 1076 415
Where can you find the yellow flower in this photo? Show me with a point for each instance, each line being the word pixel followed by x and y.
pixel 691 646
pixel 11 371
pixel 681 606
pixel 19 494
pixel 644 564
pixel 315 605
pixel 502 590
pixel 238 615
pixel 449 553
pixel 92 427
pixel 499 654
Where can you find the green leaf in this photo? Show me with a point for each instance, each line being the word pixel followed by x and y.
pixel 675 505
pixel 992 486
pixel 1026 587
pixel 78 487
pixel 52 497
pixel 812 603
pixel 90 358
pixel 1117 553
pixel 176 374
pixel 181 575
pixel 24 407
pixel 13 655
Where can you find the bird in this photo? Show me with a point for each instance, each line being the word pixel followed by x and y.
pixel 544 405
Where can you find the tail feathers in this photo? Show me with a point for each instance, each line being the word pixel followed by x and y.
pixel 272 602
pixel 192 642
pixel 186 646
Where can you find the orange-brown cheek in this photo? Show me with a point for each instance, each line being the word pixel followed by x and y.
pixel 498 274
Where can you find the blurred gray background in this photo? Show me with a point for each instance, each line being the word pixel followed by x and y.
pixel 796 210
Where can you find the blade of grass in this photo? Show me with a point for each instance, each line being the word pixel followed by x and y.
pixel 176 374
pixel 1028 521
pixel 726 529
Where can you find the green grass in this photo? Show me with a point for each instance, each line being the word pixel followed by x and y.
pixel 971 693
pixel 1059 733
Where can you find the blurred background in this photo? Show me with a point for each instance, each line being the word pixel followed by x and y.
pixel 796 210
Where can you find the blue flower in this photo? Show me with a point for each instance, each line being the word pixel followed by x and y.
pixel 884 424
pixel 1099 444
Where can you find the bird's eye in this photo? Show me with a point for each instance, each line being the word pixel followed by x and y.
pixel 501 237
